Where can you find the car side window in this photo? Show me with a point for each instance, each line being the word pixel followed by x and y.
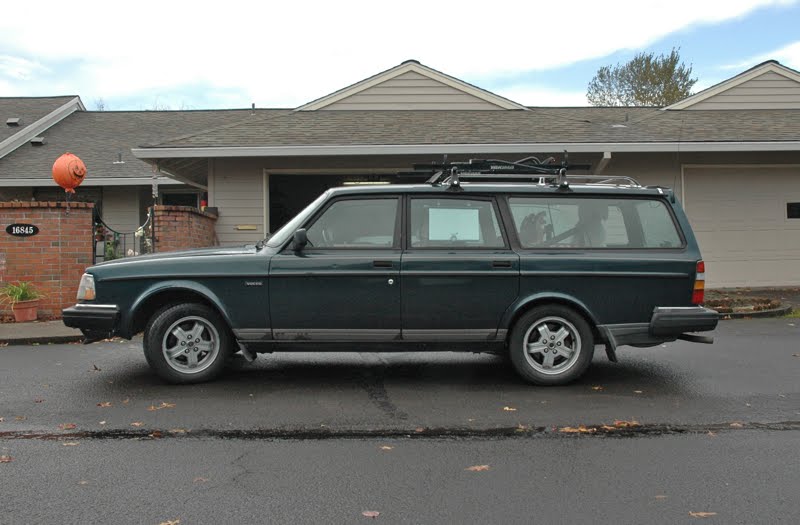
pixel 558 222
pixel 454 223
pixel 355 223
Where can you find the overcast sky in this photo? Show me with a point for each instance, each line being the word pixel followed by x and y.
pixel 197 55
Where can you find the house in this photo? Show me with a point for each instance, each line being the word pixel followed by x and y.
pixel 731 152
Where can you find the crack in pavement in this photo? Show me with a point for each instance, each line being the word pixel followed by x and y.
pixel 583 431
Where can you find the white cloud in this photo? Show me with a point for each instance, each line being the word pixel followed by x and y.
pixel 543 96
pixel 788 55
pixel 287 53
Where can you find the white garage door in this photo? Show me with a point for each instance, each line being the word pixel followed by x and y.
pixel 741 220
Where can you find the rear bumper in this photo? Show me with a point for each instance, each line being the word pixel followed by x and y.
pixel 96 321
pixel 666 324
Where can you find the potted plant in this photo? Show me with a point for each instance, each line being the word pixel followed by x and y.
pixel 24 300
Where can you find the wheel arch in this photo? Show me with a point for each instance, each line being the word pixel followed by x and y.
pixel 168 293
pixel 528 303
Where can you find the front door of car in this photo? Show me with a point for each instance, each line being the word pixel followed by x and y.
pixel 458 274
pixel 344 284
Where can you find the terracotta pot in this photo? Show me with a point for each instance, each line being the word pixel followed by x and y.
pixel 25 311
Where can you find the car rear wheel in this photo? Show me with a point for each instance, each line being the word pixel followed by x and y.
pixel 187 343
pixel 551 345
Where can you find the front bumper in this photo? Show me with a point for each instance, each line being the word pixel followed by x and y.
pixel 95 321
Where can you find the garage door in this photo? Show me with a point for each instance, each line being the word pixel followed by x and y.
pixel 743 225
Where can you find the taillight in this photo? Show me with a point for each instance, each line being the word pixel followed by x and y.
pixel 698 292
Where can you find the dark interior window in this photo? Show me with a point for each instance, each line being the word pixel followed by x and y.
pixel 793 210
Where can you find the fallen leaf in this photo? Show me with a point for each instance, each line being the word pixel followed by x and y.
pixel 199 480
pixel 580 429
pixel 626 424
pixel 661 496
pixel 737 424
pixel 38 400
pixel 371 514
pixel 637 391
pixel 152 408
pixel 104 404
pixel 711 434
pixel 156 434
pixel 102 422
pixel 83 482
pixel 170 522
pixel 95 368
pixel 67 426
pixel 608 428
pixel 702 514
pixel 124 401
pixel 597 387
pixel 1 419
pixel 159 407
pixel 419 429
pixel 20 418
pixel 137 424
pixel 521 428
pixel 795 355
pixel 386 447
pixel 6 459
pixel 509 409
pixel 177 431
pixel 477 468
pixel 71 444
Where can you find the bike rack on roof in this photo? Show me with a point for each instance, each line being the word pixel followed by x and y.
pixel 529 169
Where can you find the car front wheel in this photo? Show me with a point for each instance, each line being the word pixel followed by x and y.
pixel 551 345
pixel 187 343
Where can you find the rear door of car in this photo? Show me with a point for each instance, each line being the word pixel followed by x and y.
pixel 458 271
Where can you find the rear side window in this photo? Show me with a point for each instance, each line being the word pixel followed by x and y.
pixel 454 223
pixel 557 222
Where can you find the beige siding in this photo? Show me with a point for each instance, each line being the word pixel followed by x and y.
pixel 121 208
pixel 767 91
pixel 411 91
pixel 739 218
pixel 238 192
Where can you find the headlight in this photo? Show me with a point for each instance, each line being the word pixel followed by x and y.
pixel 86 288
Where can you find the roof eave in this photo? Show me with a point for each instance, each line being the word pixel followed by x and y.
pixel 151 154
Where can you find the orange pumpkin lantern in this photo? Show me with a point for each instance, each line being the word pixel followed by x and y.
pixel 69 171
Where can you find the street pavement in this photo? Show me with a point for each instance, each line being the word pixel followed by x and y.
pixel 675 434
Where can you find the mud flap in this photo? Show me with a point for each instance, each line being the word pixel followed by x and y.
pixel 611 343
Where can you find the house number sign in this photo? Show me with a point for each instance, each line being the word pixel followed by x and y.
pixel 22 230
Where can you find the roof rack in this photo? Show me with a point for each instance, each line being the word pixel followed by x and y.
pixel 529 169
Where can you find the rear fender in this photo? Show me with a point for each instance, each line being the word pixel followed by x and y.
pixel 526 303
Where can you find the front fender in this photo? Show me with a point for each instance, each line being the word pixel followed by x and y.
pixel 174 286
pixel 529 301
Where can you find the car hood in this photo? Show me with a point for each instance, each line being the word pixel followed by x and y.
pixel 198 252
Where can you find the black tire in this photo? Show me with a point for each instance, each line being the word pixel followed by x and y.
pixel 578 343
pixel 210 346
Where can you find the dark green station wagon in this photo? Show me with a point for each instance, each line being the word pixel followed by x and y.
pixel 489 256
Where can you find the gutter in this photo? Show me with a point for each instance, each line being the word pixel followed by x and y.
pixel 437 149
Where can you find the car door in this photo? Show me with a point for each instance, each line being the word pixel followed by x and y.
pixel 458 273
pixel 343 285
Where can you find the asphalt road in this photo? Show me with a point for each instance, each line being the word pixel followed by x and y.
pixel 92 436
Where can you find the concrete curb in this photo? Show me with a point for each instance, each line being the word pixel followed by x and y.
pixel 55 339
pixel 774 312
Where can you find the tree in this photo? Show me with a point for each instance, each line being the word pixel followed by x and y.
pixel 99 104
pixel 645 80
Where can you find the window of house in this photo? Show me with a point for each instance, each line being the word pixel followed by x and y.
pixel 454 223
pixel 793 210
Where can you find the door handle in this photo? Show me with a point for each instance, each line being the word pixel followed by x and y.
pixel 501 264
pixel 382 264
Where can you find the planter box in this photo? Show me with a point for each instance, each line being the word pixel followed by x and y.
pixel 25 311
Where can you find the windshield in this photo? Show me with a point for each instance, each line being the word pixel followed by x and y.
pixel 288 229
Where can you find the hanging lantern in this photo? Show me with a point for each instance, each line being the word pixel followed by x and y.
pixel 68 172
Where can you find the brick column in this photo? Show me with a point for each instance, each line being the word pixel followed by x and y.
pixel 54 259
pixel 182 228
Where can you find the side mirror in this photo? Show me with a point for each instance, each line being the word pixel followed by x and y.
pixel 300 240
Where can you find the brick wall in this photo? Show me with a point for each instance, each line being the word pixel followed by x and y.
pixel 182 228
pixel 55 258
